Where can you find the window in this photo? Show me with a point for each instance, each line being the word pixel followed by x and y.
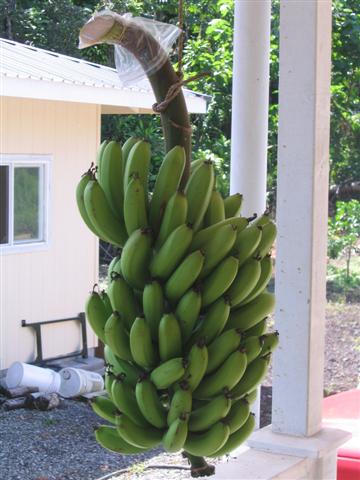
pixel 24 186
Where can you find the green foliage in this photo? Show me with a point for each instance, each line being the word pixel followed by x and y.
pixel 345 111
pixel 344 232
pixel 26 203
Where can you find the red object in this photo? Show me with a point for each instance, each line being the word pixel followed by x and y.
pixel 343 411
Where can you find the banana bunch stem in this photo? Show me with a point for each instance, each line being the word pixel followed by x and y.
pixel 175 118
pixel 199 466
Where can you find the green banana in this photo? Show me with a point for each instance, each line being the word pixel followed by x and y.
pixel 206 234
pixel 219 280
pixel 262 220
pixel 108 381
pixel 106 300
pixel 174 215
pixel 135 258
pixel 122 299
pixel 267 239
pixel 256 330
pixel 181 402
pixel 217 248
pixel 222 347
pixel 245 281
pixel 213 411
pixel 187 312
pixel 252 346
pixel 149 403
pixel 265 276
pixel 238 414
pixel 168 373
pixel 238 437
pixel 102 216
pixel 99 155
pixel 174 438
pixel 253 376
pixel 184 276
pixel 135 205
pixel 105 408
pixel 80 190
pixel 122 367
pixel 216 211
pixel 138 161
pixel 153 305
pixel 138 436
pixel 270 342
pixel 114 266
pixel 198 192
pixel 110 177
pixel 171 253
pixel 124 398
pixel 232 205
pixel 213 322
pixel 246 243
pixel 166 184
pixel 142 349
pixel 224 378
pixel 252 313
pixel 109 438
pixel 251 396
pixel 117 337
pixel 170 345
pixel 197 364
pixel 96 314
pixel 195 164
pixel 207 443
pixel 127 146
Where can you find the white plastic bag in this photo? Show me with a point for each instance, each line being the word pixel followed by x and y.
pixel 128 67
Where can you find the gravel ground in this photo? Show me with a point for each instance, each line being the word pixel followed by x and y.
pixel 56 445
pixel 59 445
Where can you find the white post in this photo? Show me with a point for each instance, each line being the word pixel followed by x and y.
pixel 302 208
pixel 250 100
pixel 250 104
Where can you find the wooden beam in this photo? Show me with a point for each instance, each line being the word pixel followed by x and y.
pixel 302 206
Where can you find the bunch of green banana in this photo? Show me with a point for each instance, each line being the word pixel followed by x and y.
pixel 183 318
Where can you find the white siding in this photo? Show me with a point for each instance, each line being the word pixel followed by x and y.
pixel 53 283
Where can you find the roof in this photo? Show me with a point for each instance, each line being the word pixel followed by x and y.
pixel 30 72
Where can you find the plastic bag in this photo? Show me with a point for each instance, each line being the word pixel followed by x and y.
pixel 128 67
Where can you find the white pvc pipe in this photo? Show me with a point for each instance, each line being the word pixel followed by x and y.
pixel 250 99
pixel 250 105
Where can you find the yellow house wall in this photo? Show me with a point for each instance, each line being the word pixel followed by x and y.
pixel 51 283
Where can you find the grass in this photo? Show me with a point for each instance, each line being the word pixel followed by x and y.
pixel 341 288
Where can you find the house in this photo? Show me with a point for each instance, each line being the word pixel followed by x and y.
pixel 51 107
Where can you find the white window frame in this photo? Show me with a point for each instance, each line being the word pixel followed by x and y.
pixel 44 162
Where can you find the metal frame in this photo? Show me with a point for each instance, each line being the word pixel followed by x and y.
pixel 37 327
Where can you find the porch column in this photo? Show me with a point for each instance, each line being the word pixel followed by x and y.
pixel 250 100
pixel 302 213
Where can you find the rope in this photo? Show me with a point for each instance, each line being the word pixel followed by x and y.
pixel 174 91
pixel 176 87
pixel 181 38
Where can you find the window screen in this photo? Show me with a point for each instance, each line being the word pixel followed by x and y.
pixel 4 204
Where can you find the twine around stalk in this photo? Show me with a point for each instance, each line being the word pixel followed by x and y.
pixel 176 87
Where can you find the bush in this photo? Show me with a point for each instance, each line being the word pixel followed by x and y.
pixel 344 233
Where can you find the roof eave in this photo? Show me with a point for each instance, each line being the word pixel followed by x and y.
pixel 112 100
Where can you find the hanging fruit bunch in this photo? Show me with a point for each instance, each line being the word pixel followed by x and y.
pixel 183 319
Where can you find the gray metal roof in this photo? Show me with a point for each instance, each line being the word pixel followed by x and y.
pixel 20 62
